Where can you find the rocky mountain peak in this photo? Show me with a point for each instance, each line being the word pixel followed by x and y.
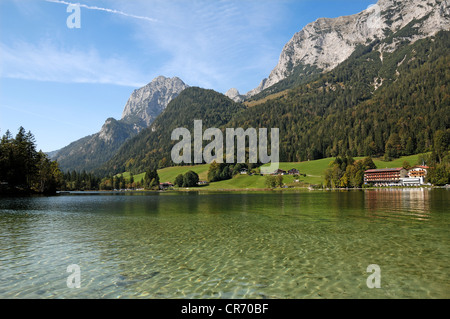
pixel 146 103
pixel 107 132
pixel 326 43
pixel 234 95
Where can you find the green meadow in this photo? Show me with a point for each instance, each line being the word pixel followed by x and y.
pixel 314 171
pixel 170 173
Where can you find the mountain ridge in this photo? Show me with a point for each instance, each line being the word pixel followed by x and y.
pixel 152 147
pixel 382 34
pixel 367 106
pixel 327 42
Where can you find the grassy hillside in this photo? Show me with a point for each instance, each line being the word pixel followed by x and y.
pixel 397 162
pixel 137 178
pixel 170 173
pixel 267 98
pixel 239 182
pixel 314 171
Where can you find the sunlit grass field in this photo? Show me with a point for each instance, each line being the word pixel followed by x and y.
pixel 314 171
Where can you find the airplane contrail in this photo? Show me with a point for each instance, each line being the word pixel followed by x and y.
pixel 105 10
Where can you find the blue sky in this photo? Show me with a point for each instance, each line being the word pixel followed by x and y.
pixel 62 83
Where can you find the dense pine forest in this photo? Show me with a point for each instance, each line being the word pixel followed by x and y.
pixel 343 113
pixel 152 147
pixel 23 169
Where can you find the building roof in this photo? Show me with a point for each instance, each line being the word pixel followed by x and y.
pixel 381 170
pixel 420 166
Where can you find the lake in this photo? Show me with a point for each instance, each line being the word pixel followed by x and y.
pixel 289 245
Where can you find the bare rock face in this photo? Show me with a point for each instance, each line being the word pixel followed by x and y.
pixel 146 103
pixel 326 43
pixel 234 95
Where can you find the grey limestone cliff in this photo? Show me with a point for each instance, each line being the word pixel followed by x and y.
pixel 234 95
pixel 326 43
pixel 146 103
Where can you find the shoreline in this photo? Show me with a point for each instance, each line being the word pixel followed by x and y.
pixel 267 190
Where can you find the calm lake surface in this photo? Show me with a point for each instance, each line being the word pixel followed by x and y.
pixel 306 244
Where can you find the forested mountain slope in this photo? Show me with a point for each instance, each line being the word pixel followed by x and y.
pixel 153 146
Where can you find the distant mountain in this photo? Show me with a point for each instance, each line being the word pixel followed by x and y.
pixel 324 44
pixel 148 102
pixel 92 151
pixel 152 147
pixel 235 95
pixel 143 106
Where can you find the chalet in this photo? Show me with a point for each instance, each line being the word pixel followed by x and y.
pixel 385 176
pixel 243 171
pixel 202 183
pixel 165 185
pixel 294 172
pixel 279 172
pixel 418 171
pixel 416 176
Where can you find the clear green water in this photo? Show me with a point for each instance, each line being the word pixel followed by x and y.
pixel 227 245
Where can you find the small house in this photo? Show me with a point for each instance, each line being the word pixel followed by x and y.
pixel 165 185
pixel 280 172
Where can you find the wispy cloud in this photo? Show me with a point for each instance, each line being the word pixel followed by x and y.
pixel 218 42
pixel 47 62
pixel 113 11
pixel 213 44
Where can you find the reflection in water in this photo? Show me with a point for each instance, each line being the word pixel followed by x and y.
pixel 412 203
pixel 227 245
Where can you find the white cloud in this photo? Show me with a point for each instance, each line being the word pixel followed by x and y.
pixel 47 62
